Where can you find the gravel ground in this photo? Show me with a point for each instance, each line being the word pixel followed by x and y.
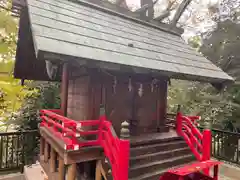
pixel 222 177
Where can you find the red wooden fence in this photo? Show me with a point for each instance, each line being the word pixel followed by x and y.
pixel 68 130
pixel 199 143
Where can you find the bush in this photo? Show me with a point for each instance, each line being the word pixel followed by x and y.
pixel 41 96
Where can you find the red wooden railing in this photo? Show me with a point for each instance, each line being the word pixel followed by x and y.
pixel 68 130
pixel 199 143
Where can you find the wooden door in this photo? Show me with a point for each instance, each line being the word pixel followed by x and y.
pixel 145 108
pixel 118 102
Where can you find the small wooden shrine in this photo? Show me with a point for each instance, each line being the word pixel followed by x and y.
pixel 105 56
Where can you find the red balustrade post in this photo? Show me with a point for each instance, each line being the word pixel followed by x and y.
pixel 124 152
pixel 179 123
pixel 123 160
pixel 206 144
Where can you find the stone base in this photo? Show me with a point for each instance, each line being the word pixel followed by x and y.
pixel 14 176
pixel 34 172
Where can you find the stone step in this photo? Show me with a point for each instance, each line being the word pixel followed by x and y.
pixel 154 139
pixel 158 147
pixel 142 159
pixel 151 167
pixel 149 176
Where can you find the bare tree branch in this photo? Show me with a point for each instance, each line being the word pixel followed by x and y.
pixel 155 2
pixel 180 11
pixel 122 3
pixel 142 9
pixel 162 16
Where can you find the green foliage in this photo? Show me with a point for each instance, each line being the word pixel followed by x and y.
pixel 41 95
pixel 11 91
pixel 200 99
pixel 219 109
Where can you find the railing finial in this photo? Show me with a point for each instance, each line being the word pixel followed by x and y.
pixel 125 133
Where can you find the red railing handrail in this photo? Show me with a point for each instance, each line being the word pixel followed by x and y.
pixel 186 127
pixel 115 149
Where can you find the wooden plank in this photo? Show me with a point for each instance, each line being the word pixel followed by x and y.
pixel 108 46
pixel 121 48
pixel 41 145
pixel 71 171
pixel 128 52
pixel 46 151
pixel 114 57
pixel 129 15
pixel 70 157
pixel 177 55
pixel 87 12
pixel 37 6
pixel 84 155
pixel 182 47
pixel 56 143
pixel 98 175
pixel 53 159
pixel 61 169
pixel 70 49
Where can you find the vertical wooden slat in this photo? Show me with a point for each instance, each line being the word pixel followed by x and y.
pixel 53 157
pixel 41 146
pixel 17 151
pixel 218 144
pixel 222 145
pixel 61 173
pixel 98 175
pixel 6 160
pixel 237 152
pixel 71 172
pixel 12 151
pixel 1 151
pixel 46 152
pixel 214 144
pixel 23 152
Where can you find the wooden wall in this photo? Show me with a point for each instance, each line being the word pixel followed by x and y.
pixel 142 102
pixel 84 95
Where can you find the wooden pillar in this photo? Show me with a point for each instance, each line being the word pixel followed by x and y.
pixel 61 170
pixel 53 158
pixel 64 88
pixel 215 172
pixel 41 146
pixel 162 103
pixel 98 175
pixel 72 171
pixel 46 151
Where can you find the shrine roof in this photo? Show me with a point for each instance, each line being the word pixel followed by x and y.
pixel 91 34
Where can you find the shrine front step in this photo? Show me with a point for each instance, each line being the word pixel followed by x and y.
pixel 150 161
